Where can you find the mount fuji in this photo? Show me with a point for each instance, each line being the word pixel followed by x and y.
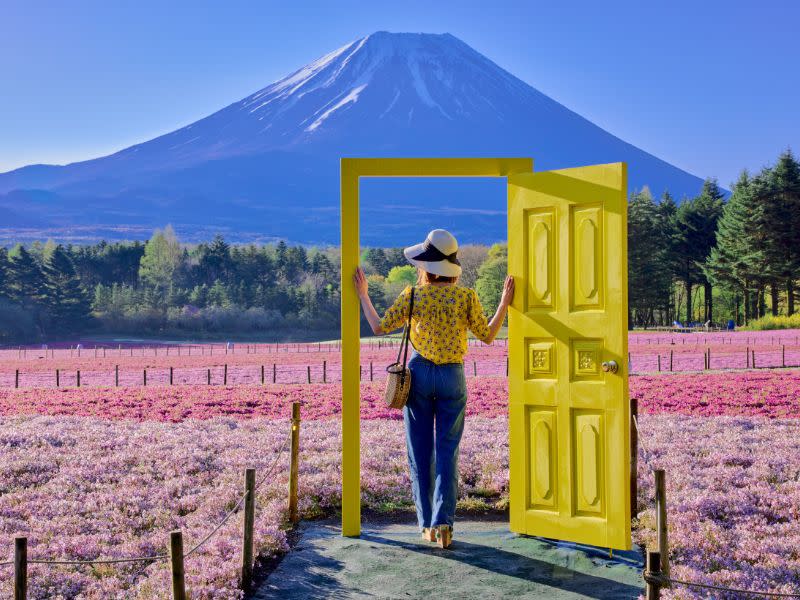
pixel 267 166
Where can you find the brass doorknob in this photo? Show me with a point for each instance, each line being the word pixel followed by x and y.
pixel 610 366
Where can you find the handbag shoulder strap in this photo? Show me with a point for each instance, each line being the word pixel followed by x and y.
pixel 403 349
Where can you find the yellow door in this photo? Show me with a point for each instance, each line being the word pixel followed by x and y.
pixel 568 409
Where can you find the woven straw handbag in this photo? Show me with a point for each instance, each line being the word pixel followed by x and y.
pixel 398 380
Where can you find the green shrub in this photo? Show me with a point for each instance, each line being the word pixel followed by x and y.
pixel 775 322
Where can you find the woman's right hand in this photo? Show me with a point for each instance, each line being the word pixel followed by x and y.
pixel 360 281
pixel 508 291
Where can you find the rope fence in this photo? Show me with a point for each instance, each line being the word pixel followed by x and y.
pixel 657 568
pixel 176 554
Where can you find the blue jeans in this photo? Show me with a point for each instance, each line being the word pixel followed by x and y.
pixel 436 404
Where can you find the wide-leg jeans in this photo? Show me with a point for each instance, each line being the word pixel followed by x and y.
pixel 434 420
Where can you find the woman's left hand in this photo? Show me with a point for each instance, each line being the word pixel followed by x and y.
pixel 360 281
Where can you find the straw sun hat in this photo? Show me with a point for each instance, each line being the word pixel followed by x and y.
pixel 436 255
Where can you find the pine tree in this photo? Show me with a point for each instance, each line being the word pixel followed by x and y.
pixel 709 207
pixel 694 237
pixel 215 261
pixel 26 278
pixel 5 289
pixel 375 261
pixel 649 277
pixel 68 304
pixel 735 263
pixel 778 197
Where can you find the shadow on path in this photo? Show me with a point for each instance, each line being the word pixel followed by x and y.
pixel 485 561
pixel 512 564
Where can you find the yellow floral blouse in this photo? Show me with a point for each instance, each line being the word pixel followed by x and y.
pixel 440 320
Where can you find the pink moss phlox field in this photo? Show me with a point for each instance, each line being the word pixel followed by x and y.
pixel 178 403
pixel 764 393
pixel 37 366
pixel 84 489
pixel 733 500
pixel 767 393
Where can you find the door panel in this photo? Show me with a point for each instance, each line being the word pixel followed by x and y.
pixel 568 417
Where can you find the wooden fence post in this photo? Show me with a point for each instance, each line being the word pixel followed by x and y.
pixel 634 457
pixel 144 377
pixel 783 356
pixel 659 362
pixel 295 457
pixel 274 373
pixel 78 378
pixel 753 361
pixel 262 374
pixel 20 568
pixel 653 567
pixel 474 369
pixel 324 371
pixel 670 360
pixel 661 519
pixel 249 521
pixel 208 377
pixel 225 375
pixel 58 378
pixel 370 371
pixel 308 373
pixel 116 375
pixel 16 378
pixel 176 558
pixel 170 375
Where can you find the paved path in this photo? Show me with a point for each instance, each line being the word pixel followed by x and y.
pixel 486 561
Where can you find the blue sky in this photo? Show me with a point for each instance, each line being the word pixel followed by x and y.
pixel 709 86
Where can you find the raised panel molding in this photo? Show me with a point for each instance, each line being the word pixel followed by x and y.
pixel 541 259
pixel 543 457
pixel 589 462
pixel 587 269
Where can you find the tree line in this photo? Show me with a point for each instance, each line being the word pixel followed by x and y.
pixel 712 259
pixel 706 259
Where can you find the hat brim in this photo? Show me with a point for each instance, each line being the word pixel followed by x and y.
pixel 440 267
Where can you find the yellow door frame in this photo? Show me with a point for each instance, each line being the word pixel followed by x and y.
pixel 351 170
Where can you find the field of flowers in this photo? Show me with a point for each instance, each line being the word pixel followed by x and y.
pixel 734 515
pixel 85 488
pixel 105 471
pixel 770 393
pixel 295 363
pixel 88 488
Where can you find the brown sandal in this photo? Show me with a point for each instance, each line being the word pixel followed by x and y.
pixel 444 536
pixel 429 534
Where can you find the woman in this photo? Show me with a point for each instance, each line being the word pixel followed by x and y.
pixel 434 414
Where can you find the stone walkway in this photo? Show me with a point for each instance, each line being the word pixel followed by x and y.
pixel 485 561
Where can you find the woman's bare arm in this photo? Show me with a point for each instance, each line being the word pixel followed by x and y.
pixel 496 321
pixel 362 288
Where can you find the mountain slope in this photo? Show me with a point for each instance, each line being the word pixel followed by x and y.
pixel 268 165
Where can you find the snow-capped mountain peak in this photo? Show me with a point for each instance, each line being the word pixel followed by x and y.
pixel 386 94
